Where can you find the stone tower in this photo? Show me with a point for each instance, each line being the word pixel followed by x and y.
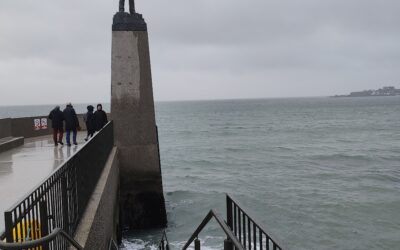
pixel 142 202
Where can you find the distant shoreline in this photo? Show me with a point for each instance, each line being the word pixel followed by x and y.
pixel 385 91
pixel 350 96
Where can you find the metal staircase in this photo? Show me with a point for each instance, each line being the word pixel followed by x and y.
pixel 241 230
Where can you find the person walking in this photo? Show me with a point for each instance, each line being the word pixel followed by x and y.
pixel 90 122
pixel 71 124
pixel 100 117
pixel 57 118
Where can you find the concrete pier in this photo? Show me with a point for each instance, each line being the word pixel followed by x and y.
pixel 132 105
pixel 24 167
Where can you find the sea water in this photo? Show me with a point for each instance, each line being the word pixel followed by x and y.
pixel 318 173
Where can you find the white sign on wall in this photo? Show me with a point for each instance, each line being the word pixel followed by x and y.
pixel 43 123
pixel 36 124
pixel 40 123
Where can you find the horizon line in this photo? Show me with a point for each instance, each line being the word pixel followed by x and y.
pixel 175 100
pixel 171 100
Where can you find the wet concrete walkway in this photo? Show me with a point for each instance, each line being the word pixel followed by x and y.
pixel 23 168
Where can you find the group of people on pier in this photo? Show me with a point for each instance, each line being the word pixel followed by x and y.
pixel 95 121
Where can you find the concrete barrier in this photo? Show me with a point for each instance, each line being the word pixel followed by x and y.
pixel 99 222
pixel 5 128
pixel 10 142
pixel 28 127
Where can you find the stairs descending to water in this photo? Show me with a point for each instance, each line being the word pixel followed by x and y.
pixel 242 231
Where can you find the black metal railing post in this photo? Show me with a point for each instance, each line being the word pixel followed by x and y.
pixel 197 244
pixel 64 197
pixel 228 244
pixel 9 226
pixel 44 225
pixel 229 220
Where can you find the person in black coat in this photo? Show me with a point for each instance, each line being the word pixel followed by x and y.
pixel 57 117
pixel 100 117
pixel 71 123
pixel 90 122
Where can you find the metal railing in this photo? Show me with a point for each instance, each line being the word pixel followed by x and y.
pixel 231 238
pixel 113 245
pixel 164 244
pixel 61 199
pixel 250 234
pixel 42 242
pixel 241 230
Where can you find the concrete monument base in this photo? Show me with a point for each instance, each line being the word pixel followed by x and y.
pixel 132 106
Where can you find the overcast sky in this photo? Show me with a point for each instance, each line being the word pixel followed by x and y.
pixel 54 51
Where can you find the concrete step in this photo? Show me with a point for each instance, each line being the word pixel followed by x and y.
pixel 8 143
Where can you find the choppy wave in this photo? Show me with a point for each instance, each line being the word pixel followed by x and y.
pixel 340 157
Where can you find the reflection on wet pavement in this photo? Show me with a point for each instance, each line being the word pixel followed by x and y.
pixel 25 167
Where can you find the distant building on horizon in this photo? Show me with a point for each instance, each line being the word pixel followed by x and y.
pixel 385 91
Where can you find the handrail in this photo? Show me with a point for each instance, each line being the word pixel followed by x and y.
pixel 60 200
pixel 64 164
pixel 113 245
pixel 241 230
pixel 164 244
pixel 40 242
pixel 243 209
pixel 222 223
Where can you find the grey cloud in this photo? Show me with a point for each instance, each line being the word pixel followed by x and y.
pixel 60 50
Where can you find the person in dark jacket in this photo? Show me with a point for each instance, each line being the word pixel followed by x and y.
pixel 100 117
pixel 71 123
pixel 57 117
pixel 90 122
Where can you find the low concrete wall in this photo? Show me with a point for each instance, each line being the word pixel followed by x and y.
pixel 10 143
pixel 25 127
pixel 5 127
pixel 100 221
pixel 28 127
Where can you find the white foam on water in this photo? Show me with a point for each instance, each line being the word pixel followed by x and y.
pixel 205 243
pixel 136 244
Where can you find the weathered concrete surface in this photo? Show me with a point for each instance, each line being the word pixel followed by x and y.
pixel 24 167
pixel 132 106
pixel 10 143
pixel 5 128
pixel 100 221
